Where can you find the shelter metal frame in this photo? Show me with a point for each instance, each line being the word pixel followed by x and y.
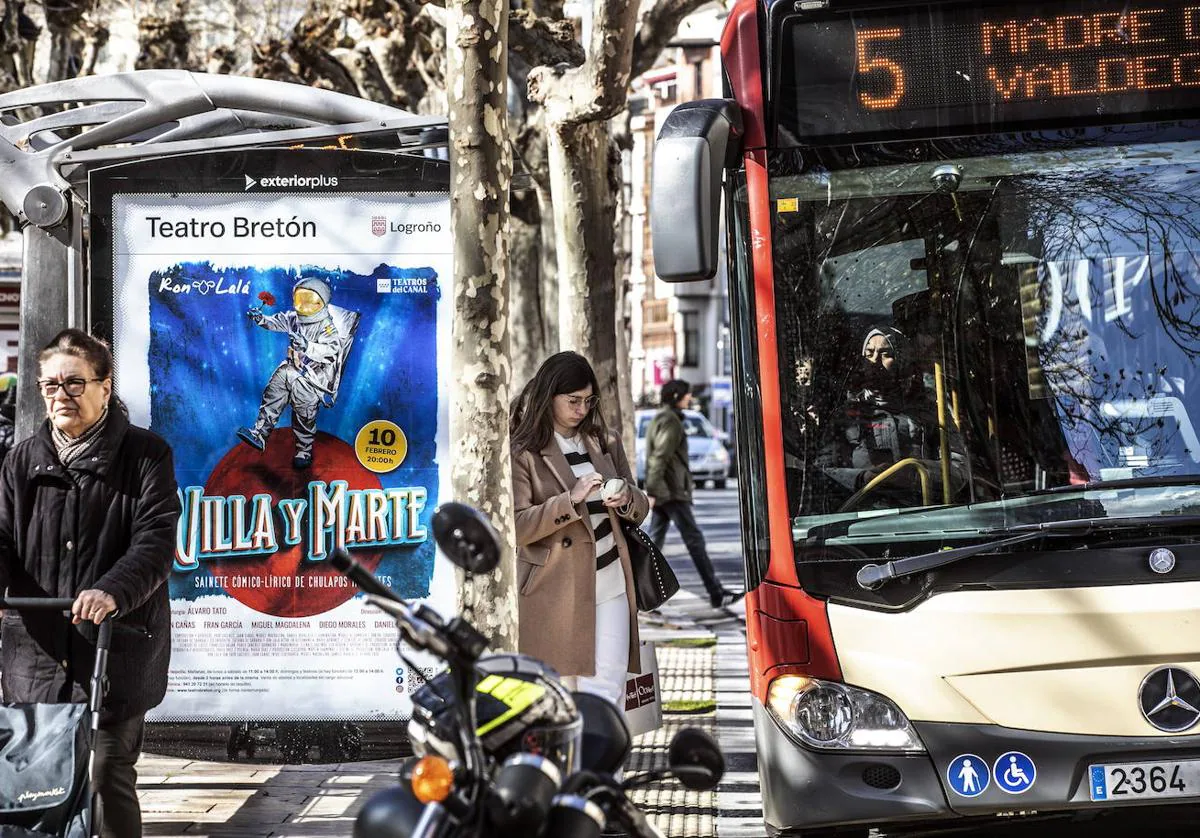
pixel 53 135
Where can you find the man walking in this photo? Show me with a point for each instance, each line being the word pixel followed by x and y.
pixel 669 485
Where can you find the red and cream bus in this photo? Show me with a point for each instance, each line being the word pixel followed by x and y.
pixel 963 244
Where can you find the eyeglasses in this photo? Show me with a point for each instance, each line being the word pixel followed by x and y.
pixel 72 386
pixel 576 401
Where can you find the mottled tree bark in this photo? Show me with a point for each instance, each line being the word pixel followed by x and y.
pixel 584 209
pixel 164 42
pixel 18 36
pixel 480 174
pixel 527 344
pixel 531 254
pixel 64 19
pixel 623 234
pixel 579 102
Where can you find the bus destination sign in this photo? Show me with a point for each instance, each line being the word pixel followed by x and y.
pixel 945 68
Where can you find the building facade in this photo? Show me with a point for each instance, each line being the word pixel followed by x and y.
pixel 680 330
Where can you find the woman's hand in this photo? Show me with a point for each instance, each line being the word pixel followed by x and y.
pixel 92 605
pixel 584 486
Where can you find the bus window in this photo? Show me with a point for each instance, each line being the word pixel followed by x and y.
pixel 1038 330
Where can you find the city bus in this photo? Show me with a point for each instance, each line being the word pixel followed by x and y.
pixel 963 249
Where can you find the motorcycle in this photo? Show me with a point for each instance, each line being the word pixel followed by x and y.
pixel 541 761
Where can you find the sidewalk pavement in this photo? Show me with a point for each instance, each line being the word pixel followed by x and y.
pixel 182 797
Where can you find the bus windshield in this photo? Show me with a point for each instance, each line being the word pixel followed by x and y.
pixel 972 341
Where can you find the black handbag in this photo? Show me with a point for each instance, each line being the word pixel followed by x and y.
pixel 653 580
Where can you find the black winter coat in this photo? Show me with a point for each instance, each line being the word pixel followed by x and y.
pixel 107 522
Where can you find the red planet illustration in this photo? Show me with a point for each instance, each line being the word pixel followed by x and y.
pixel 312 587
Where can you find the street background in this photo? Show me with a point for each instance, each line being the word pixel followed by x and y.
pixel 702 666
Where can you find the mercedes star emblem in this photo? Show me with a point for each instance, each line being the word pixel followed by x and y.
pixel 1170 699
pixel 1162 560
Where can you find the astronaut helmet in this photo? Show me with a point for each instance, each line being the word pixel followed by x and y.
pixel 310 296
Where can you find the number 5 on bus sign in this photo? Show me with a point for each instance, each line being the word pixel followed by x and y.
pixel 868 64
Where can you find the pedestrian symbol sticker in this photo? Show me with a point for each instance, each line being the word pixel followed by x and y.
pixel 967 775
pixel 1015 773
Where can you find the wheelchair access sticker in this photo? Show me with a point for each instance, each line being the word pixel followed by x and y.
pixel 968 775
pixel 1014 772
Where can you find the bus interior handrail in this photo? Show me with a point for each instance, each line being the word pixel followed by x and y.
pixel 907 462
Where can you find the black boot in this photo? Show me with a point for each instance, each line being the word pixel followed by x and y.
pixel 724 598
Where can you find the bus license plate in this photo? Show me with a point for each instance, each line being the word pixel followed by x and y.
pixel 1136 780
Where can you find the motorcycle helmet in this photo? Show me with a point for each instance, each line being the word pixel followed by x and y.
pixel 520 706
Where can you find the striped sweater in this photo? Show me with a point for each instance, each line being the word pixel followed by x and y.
pixel 579 461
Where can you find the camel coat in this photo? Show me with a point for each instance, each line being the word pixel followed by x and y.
pixel 556 557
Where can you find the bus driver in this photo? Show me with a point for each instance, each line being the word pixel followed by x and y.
pixel 889 417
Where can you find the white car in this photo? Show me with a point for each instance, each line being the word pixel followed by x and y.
pixel 707 457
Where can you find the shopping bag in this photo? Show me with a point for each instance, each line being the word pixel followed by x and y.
pixel 43 769
pixel 643 695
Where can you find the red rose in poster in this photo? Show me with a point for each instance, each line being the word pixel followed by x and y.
pixel 267 298
pixel 314 586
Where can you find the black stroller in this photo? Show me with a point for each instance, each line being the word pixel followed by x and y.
pixel 46 753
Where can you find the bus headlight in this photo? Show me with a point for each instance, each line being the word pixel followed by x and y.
pixel 831 716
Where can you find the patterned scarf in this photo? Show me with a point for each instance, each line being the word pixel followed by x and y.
pixel 71 448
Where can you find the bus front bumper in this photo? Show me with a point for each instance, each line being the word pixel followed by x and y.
pixel 805 790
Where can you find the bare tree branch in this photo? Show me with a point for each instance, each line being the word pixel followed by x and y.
pixel 360 65
pixel 659 25
pixel 537 40
pixel 597 89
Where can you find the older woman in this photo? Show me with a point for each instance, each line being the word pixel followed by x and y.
pixel 88 510
pixel 577 607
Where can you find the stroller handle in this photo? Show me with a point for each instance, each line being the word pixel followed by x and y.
pixel 28 603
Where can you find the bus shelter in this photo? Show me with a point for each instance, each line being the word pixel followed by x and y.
pixel 189 219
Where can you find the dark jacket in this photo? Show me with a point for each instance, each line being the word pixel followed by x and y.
pixel 108 522
pixel 668 477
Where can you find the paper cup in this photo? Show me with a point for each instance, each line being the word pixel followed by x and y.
pixel 612 488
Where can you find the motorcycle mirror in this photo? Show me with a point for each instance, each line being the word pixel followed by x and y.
pixel 466 538
pixel 695 759
pixel 606 743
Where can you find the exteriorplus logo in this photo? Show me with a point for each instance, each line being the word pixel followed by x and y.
pixel 292 182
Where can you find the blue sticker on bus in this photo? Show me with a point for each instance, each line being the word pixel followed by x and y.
pixel 967 775
pixel 1015 773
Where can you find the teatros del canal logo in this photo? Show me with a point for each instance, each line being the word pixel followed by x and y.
pixel 292 182
pixel 1170 699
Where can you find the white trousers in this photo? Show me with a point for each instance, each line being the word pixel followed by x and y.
pixel 612 639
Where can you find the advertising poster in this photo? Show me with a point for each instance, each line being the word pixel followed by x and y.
pixel 289 341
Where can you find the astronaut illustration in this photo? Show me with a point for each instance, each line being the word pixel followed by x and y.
pixel 319 339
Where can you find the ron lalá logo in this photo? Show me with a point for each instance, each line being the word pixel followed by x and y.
pixel 27 796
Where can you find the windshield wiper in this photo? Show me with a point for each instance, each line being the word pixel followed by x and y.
pixel 872 576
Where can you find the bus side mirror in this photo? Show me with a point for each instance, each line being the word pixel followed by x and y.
pixel 697 142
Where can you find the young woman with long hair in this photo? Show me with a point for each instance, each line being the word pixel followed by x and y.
pixel 571 483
